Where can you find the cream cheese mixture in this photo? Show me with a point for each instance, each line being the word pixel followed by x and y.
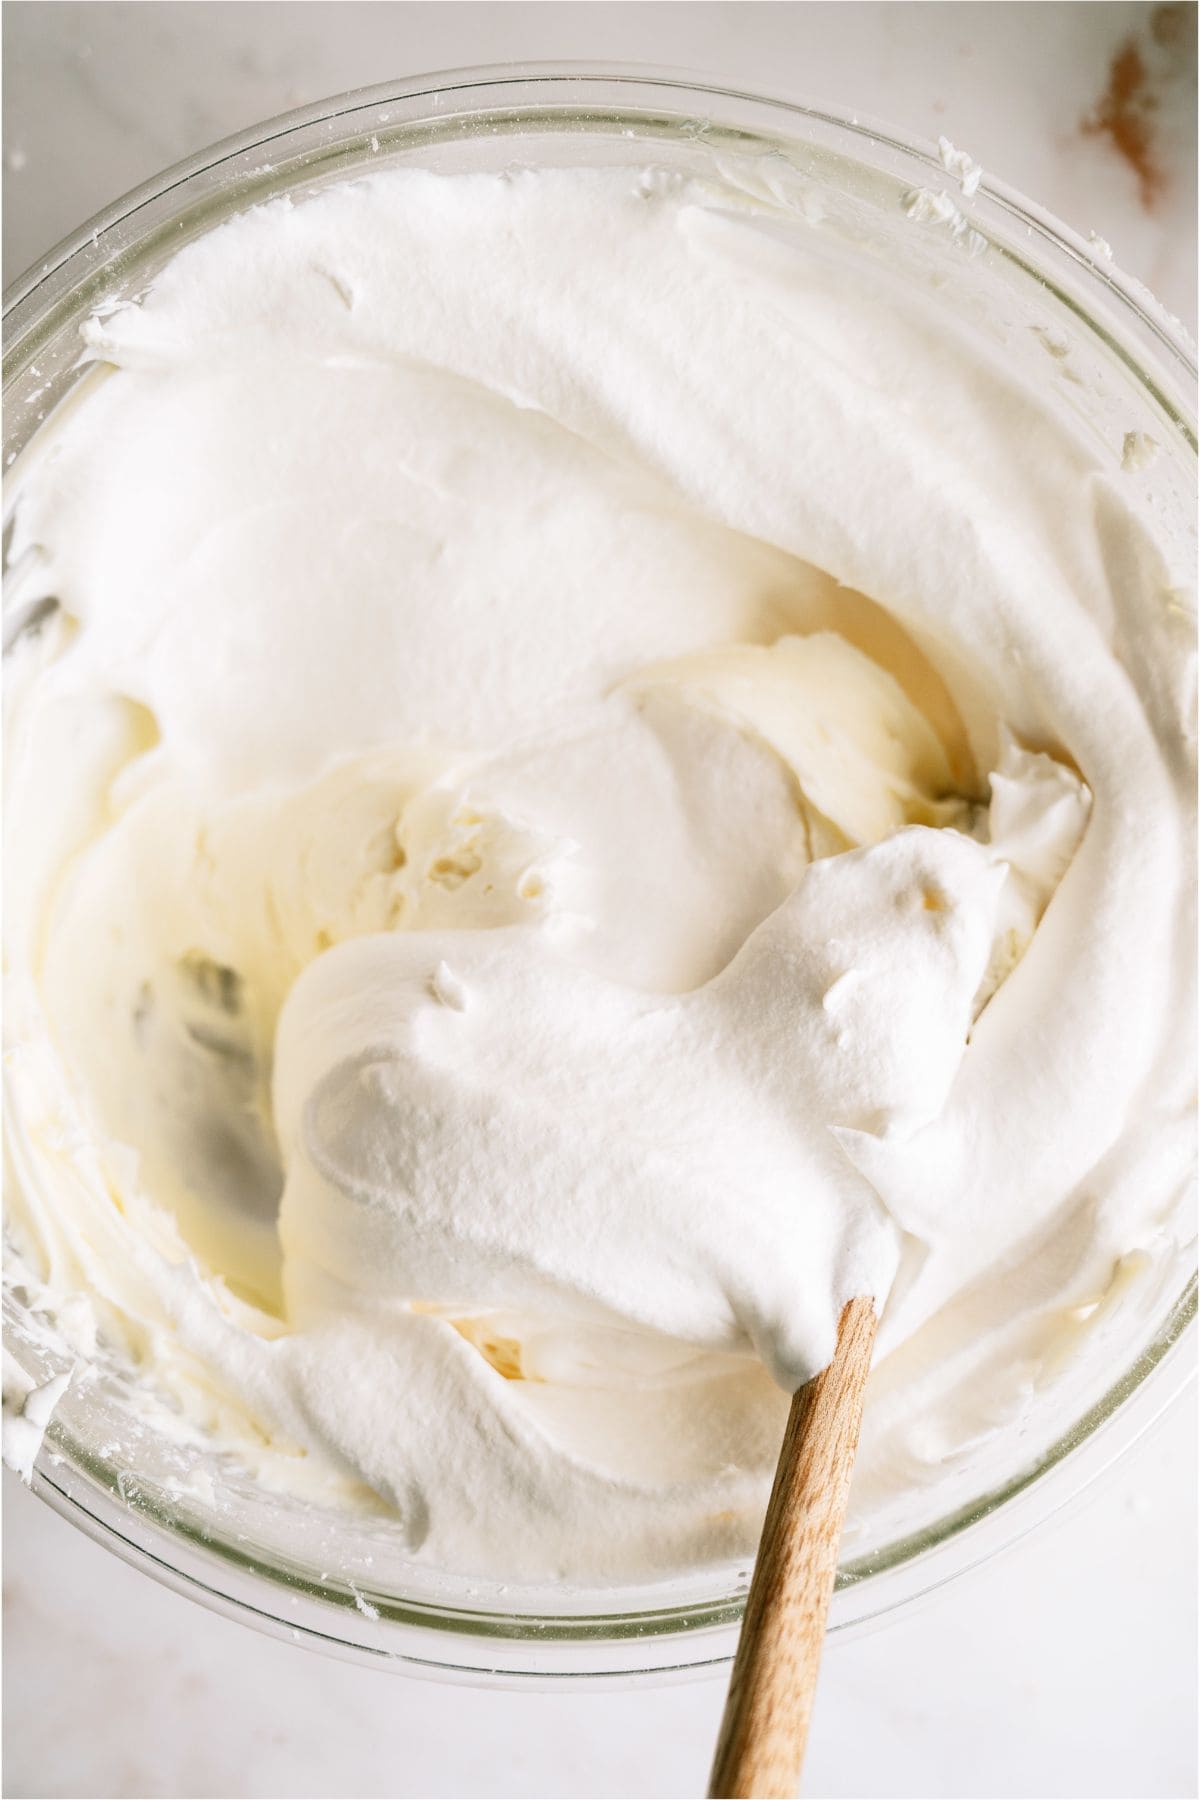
pixel 594 788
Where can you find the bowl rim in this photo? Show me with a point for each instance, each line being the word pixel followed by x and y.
pixel 580 73
pixel 581 92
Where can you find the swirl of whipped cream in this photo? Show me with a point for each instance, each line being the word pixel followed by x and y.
pixel 596 786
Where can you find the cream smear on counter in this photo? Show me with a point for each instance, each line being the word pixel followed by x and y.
pixel 595 787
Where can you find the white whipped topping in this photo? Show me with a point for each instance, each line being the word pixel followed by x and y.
pixel 596 788
pixel 28 1411
pixel 965 170
pixel 1138 451
pixel 930 206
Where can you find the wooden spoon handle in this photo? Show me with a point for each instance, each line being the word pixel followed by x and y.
pixel 767 1711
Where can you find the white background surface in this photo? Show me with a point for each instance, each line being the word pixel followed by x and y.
pixel 1068 1667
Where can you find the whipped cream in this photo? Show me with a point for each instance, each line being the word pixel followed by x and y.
pixel 594 788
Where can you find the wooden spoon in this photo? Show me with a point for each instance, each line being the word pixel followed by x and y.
pixel 774 1677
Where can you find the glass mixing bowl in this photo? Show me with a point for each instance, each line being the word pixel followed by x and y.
pixel 1064 318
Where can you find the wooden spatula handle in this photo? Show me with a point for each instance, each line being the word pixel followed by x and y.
pixel 765 1727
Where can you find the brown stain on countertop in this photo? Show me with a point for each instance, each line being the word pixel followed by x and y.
pixel 1127 112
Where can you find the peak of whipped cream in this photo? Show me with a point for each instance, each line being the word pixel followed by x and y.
pixel 594 787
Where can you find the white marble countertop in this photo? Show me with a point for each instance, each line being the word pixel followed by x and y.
pixel 1065 1668
pixel 1068 1666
